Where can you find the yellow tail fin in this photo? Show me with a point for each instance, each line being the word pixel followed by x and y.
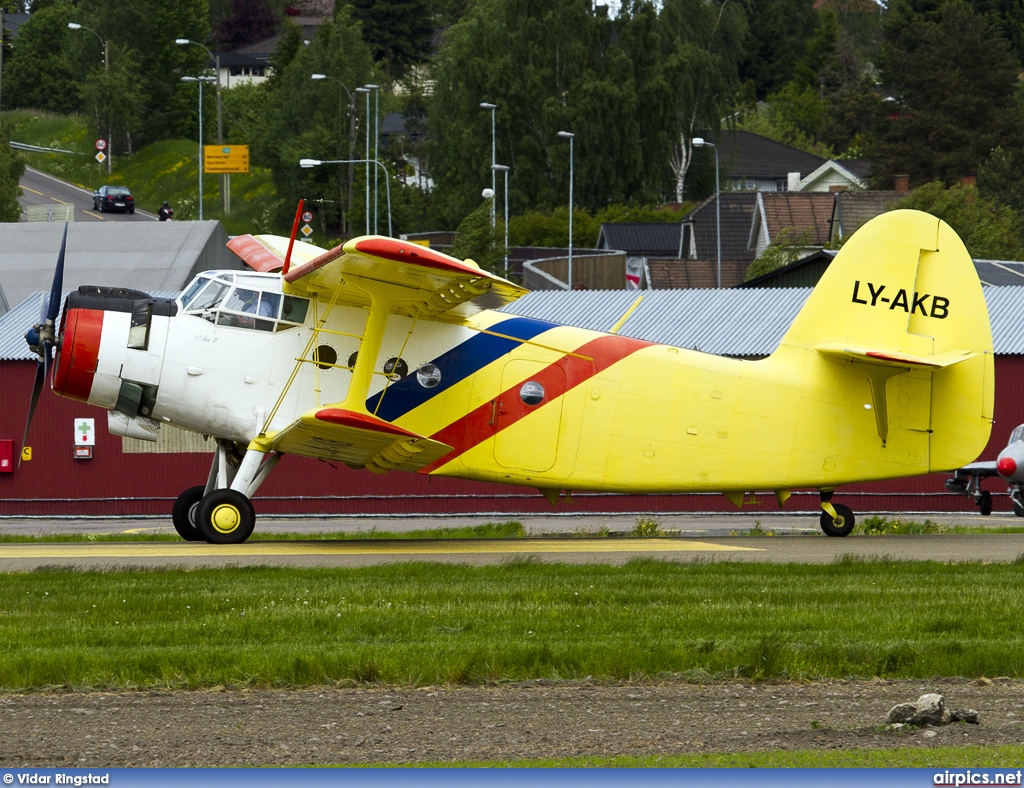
pixel 903 296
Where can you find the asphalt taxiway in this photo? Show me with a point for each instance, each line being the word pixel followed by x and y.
pixel 702 538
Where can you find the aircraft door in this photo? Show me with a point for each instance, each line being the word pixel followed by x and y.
pixel 527 415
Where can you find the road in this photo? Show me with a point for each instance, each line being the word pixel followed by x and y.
pixel 38 188
pixel 715 544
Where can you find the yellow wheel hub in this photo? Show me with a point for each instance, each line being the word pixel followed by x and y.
pixel 226 518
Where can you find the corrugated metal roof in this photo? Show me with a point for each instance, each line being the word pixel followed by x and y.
pixel 726 322
pixel 15 323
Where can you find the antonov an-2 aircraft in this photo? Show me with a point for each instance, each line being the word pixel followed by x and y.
pixel 388 356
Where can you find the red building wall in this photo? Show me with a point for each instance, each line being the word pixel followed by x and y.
pixel 113 483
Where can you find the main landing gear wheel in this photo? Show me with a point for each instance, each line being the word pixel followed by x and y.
pixel 842 525
pixel 985 503
pixel 183 515
pixel 1018 509
pixel 225 517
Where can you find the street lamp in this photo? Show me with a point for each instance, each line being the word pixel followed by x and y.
pixel 568 135
pixel 351 143
pixel 309 163
pixel 367 159
pixel 502 168
pixel 494 159
pixel 376 144
pixel 700 142
pixel 200 80
pixel 106 70
pixel 225 192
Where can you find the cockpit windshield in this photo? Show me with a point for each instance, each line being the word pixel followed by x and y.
pixel 1017 434
pixel 243 301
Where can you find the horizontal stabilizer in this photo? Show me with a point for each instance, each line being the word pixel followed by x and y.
pixel 894 358
pixel 357 439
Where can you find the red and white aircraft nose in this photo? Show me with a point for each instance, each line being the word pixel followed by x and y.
pixel 1007 466
pixel 1010 463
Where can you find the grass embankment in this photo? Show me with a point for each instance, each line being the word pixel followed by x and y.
pixel 427 623
pixel 167 170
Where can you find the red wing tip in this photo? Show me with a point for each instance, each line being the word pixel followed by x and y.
pixel 403 251
pixel 898 359
pixel 363 421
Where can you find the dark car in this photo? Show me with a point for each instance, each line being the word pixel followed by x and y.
pixel 113 198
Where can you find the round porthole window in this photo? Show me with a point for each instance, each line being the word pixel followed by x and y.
pixel 428 376
pixel 532 393
pixel 396 367
pixel 325 356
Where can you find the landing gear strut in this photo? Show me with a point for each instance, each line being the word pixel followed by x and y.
pixel 221 512
pixel 836 519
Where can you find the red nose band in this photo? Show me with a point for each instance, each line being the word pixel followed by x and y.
pixel 1007 466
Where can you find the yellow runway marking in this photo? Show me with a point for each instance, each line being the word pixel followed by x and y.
pixel 60 201
pixel 87 212
pixel 187 550
pixel 32 190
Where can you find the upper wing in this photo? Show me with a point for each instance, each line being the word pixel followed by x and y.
pixel 437 284
pixel 359 439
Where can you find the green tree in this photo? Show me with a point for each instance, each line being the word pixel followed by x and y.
pixel 40 74
pixel 776 35
pixel 113 98
pixel 1001 178
pixel 476 240
pixel 151 27
pixel 953 81
pixel 11 170
pixel 988 229
pixel 702 48
pixel 279 142
pixel 398 32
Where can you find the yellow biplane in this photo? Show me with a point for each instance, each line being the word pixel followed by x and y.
pixel 389 356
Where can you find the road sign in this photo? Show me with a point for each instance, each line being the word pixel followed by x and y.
pixel 226 158
pixel 307 217
pixel 101 157
pixel 307 230
pixel 101 144
pixel 85 432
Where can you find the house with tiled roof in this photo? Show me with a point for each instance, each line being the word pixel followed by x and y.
pixel 791 217
pixel 697 266
pixel 644 239
pixel 852 209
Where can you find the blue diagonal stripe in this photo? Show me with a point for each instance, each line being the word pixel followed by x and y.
pixel 456 364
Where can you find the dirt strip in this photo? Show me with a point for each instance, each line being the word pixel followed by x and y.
pixel 534 720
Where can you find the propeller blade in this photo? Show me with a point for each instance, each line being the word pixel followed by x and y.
pixel 36 390
pixel 58 280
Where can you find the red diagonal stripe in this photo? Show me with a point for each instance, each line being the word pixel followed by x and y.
pixel 557 378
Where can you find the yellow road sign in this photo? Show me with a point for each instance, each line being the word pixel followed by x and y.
pixel 226 158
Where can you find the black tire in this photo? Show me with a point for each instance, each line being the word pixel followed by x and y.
pixel 225 517
pixel 1018 510
pixel 843 526
pixel 985 503
pixel 132 211
pixel 183 515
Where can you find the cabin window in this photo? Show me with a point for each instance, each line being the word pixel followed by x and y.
pixel 532 393
pixel 396 368
pixel 428 376
pixel 142 316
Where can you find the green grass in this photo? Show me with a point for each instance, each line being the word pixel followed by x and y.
pixel 507 530
pixel 167 170
pixel 974 757
pixel 416 624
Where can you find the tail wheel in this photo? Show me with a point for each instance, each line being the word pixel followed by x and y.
pixel 841 525
pixel 225 517
pixel 183 515
pixel 985 503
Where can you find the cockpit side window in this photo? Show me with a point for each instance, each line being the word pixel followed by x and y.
pixel 293 311
pixel 193 290
pixel 209 298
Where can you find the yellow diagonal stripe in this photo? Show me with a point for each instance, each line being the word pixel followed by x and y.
pixel 186 549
